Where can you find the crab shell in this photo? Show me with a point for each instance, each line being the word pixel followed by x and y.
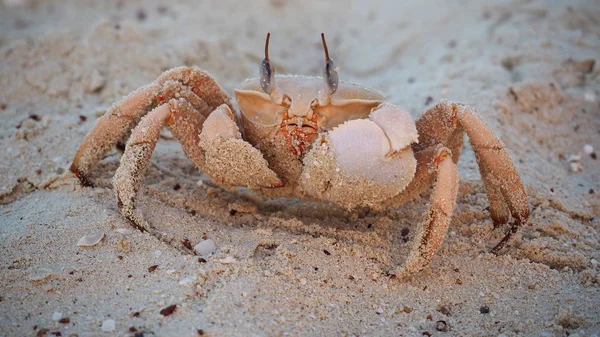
pixel 352 150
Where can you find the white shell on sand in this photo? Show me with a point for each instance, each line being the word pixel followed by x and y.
pixel 108 325
pixel 40 275
pixel 90 240
pixel 205 248
pixel 56 316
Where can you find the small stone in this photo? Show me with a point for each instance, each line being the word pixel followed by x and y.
pixel 56 316
pixel 108 325
pixel 64 320
pixel 484 309
pixel 575 167
pixel 90 240
pixel 407 309
pixel 168 310
pixel 157 253
pixel 95 81
pixel 588 149
pixel 303 281
pixel 205 248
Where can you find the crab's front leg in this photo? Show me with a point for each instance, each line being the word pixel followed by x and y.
pixel 185 122
pixel 214 144
pixel 190 83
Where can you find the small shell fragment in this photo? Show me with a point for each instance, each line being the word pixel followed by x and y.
pixel 40 275
pixel 228 260
pixel 90 240
pixel 56 316
pixel 108 325
pixel 588 149
pixel 205 248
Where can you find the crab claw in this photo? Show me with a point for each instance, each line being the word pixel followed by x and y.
pixel 363 161
pixel 229 160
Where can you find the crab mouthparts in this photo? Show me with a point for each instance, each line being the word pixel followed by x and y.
pixel 299 133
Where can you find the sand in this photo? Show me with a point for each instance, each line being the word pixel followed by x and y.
pixel 286 267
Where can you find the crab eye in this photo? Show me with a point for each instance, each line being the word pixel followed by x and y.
pixel 331 76
pixel 330 72
pixel 267 72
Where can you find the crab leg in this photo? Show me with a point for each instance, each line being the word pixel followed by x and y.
pixel 444 124
pixel 431 232
pixel 214 144
pixel 497 169
pixel 498 208
pixel 134 161
pixel 185 123
pixel 193 84
pixel 112 127
pixel 422 181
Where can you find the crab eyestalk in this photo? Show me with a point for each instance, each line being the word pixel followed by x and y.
pixel 330 77
pixel 267 77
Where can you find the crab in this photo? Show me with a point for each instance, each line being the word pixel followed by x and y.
pixel 313 138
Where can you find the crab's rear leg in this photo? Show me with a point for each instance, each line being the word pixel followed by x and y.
pixel 499 173
pixel 504 188
pixel 431 232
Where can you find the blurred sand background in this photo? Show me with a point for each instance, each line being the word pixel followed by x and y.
pixel 285 267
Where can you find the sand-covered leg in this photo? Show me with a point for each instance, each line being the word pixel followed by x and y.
pixel 422 181
pixel 431 232
pixel 439 125
pixel 192 84
pixel 362 161
pixel 134 161
pixel 495 163
pixel 186 123
pixel 444 124
pixel 110 128
pixel 230 160
pixel 499 210
pixel 201 83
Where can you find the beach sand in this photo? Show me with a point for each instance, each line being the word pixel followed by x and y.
pixel 286 267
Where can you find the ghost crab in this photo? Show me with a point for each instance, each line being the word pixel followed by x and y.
pixel 314 138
